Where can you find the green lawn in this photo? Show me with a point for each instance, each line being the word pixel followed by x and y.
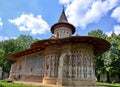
pixel 107 84
pixel 11 84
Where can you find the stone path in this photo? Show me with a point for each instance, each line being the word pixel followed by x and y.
pixel 46 85
pixel 34 83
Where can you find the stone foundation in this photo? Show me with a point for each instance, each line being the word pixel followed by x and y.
pixel 47 85
pixel 50 80
pixel 76 82
pixel 32 78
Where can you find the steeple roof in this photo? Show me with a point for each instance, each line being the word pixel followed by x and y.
pixel 63 22
pixel 63 18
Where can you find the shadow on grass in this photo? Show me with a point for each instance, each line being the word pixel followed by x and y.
pixel 4 83
pixel 107 84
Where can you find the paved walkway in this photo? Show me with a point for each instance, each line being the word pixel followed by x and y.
pixel 46 85
pixel 34 83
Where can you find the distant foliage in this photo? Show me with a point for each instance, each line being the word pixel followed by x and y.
pixel 108 62
pixel 12 46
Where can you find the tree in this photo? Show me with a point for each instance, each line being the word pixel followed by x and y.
pixel 97 33
pixel 115 55
pixel 11 46
pixel 108 62
pixel 99 60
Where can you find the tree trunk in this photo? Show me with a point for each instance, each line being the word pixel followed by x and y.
pixel 119 76
pixel 108 77
pixel 98 78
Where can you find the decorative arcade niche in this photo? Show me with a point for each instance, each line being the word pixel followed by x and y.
pixel 78 66
pixel 52 63
pixel 34 65
pixel 78 63
pixel 52 54
pixel 29 67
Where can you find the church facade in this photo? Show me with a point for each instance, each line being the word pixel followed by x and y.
pixel 63 59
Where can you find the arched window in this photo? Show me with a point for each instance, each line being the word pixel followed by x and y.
pixel 57 34
pixel 31 69
pixel 84 61
pixel 78 60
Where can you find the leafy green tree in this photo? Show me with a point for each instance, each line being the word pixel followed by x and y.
pixel 108 62
pixel 115 55
pixel 7 48
pixel 99 60
pixel 12 46
pixel 97 33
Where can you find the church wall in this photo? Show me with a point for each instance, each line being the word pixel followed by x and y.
pixel 29 67
pixel 77 65
pixel 52 54
pixel 67 64
pixel 15 69
pixel 82 61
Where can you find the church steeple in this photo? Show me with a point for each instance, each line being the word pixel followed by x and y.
pixel 62 28
pixel 63 17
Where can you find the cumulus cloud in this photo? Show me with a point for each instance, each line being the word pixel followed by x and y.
pixel 27 22
pixel 65 1
pixel 116 14
pixel 109 33
pixel 83 12
pixel 116 29
pixel 1 23
pixel 2 38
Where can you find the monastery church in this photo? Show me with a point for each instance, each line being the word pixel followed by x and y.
pixel 63 59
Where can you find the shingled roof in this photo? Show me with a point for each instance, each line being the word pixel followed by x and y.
pixel 63 18
pixel 99 45
pixel 63 22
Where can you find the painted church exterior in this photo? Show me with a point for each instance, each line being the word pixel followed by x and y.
pixel 62 60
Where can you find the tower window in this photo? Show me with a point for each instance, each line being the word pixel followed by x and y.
pixel 57 34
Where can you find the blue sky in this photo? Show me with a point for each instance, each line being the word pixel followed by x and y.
pixel 35 17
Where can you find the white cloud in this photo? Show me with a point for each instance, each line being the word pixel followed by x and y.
pixel 109 33
pixel 83 12
pixel 116 14
pixel 27 22
pixel 2 38
pixel 116 29
pixel 1 23
pixel 65 1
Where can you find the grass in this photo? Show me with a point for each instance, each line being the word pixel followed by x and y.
pixel 107 84
pixel 11 84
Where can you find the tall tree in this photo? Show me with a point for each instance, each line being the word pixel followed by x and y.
pixel 12 46
pixel 115 55
pixel 97 33
pixel 108 62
